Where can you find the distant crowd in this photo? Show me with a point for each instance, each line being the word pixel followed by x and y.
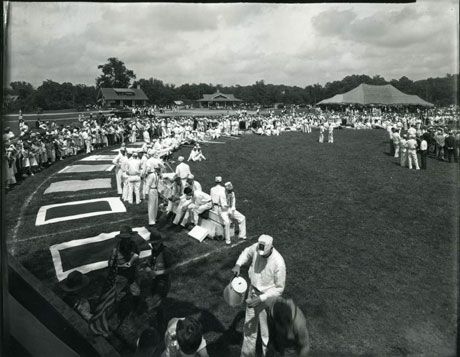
pixel 39 146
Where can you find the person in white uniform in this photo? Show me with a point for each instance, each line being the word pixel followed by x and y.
pixel 193 184
pixel 134 178
pixel 201 202
pixel 412 153
pixel 152 184
pixel 117 162
pixel 233 214
pixel 219 199
pixel 330 132
pixel 182 170
pixel 267 274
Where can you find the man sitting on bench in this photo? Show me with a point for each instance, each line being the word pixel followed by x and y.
pixel 194 203
pixel 201 202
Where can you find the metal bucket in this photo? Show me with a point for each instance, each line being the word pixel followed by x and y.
pixel 235 292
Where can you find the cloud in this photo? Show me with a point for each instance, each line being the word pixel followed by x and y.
pixel 296 44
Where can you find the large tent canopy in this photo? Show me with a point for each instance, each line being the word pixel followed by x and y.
pixel 366 94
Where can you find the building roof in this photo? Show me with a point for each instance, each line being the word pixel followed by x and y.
pixel 366 94
pixel 219 97
pixel 122 93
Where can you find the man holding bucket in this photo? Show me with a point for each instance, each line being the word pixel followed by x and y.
pixel 267 274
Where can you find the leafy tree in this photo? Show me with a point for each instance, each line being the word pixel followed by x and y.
pixel 114 74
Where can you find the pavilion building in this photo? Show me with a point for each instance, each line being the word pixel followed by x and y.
pixel 122 96
pixel 218 100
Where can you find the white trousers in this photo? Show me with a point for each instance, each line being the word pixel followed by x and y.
pixel 134 187
pixel 124 183
pixel 118 173
pixel 412 157
pixel 397 150
pixel 241 219
pixel 321 138
pixel 330 138
pixel 254 318
pixel 195 210
pixel 153 205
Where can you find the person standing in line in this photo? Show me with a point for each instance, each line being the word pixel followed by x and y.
pixel 118 171
pixel 152 184
pixel 412 153
pixel 321 133
pixel 233 213
pixel 267 274
pixel 396 139
pixel 440 143
pixel 182 170
pixel 423 151
pixel 330 132
pixel 219 200
pixel 134 178
pixel 403 150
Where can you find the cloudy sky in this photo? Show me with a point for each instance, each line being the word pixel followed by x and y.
pixel 294 44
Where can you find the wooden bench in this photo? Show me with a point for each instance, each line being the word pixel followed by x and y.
pixel 214 224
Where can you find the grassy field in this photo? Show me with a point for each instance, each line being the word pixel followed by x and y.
pixel 370 248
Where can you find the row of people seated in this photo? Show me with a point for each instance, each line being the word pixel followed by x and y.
pixel 190 205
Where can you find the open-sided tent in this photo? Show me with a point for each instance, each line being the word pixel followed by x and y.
pixel 366 94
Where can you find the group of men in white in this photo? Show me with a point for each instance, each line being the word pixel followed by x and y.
pixel 188 201
pixel 146 176
pixel 405 146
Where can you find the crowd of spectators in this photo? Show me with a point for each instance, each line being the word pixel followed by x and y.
pixel 38 147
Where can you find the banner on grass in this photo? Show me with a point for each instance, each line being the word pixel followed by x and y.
pixel 79 185
pixel 99 158
pixel 86 168
pixel 78 209
pixel 88 254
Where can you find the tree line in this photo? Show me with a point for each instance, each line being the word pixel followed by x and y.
pixel 51 95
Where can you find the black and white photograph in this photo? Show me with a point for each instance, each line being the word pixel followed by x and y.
pixel 230 179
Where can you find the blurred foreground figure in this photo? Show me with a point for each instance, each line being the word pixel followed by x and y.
pixel 288 330
pixel 184 338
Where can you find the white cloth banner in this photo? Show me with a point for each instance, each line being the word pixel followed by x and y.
pixel 79 185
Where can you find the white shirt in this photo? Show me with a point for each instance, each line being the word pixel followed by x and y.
pixel 201 198
pixel 134 166
pixel 183 170
pixel 218 196
pixel 268 275
pixel 423 145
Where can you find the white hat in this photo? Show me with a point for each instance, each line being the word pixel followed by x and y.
pixel 267 242
pixel 190 176
pixel 180 158
pixel 150 152
pixel 134 153
pixel 228 185
pixel 218 179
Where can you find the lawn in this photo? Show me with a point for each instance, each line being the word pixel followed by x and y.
pixel 370 248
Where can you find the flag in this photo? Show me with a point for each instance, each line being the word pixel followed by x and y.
pixel 98 323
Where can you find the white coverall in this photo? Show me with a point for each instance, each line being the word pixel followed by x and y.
pixel 237 216
pixel 268 279
pixel 152 184
pixel 219 198
pixel 117 162
pixel 134 179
